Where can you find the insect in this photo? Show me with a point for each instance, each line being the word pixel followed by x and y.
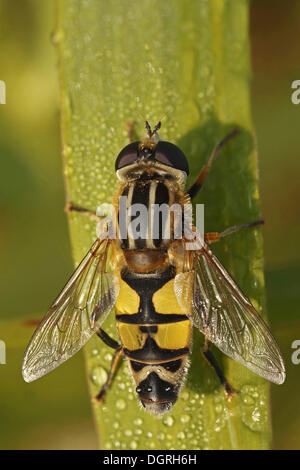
pixel 158 286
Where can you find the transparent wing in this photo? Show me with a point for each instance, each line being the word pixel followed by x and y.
pixel 229 320
pixel 225 315
pixel 75 316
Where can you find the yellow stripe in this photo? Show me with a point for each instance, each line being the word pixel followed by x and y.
pixel 165 301
pixel 128 300
pixel 131 336
pixel 175 335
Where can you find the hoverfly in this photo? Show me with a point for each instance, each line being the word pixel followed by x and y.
pixel 159 289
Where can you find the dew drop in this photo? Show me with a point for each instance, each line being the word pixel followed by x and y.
pixel 138 422
pixel 98 376
pixel 57 36
pixel 248 400
pixel 133 445
pixel 254 413
pixel 185 395
pixel 67 150
pixel 121 404
pixel 168 421
pixel 68 170
pixel 108 357
pixel 219 408
pixel 185 418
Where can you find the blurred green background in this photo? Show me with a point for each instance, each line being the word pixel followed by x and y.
pixel 54 413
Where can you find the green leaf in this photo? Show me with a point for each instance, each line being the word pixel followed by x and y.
pixel 16 333
pixel 186 63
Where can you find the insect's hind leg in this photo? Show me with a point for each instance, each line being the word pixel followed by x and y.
pixel 209 357
pixel 212 237
pixel 198 184
pixel 114 363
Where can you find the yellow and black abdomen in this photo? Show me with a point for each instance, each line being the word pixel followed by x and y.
pixel 155 334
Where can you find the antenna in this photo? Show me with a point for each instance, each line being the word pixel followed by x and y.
pixel 155 129
pixel 148 128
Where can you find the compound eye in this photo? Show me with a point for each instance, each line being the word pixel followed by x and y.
pixel 128 155
pixel 171 155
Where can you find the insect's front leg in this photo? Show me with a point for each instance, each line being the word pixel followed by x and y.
pixel 198 184
pixel 131 131
pixel 114 363
pixel 209 357
pixel 70 207
pixel 212 237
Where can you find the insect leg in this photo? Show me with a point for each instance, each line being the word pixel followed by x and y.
pixel 212 237
pixel 107 339
pixel 130 131
pixel 71 208
pixel 114 364
pixel 209 357
pixel 197 185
